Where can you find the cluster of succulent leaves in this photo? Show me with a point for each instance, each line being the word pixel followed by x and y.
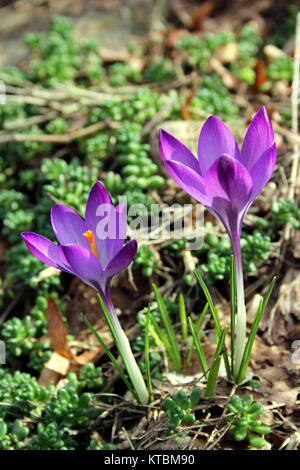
pixel 24 337
pixel 160 71
pixel 200 51
pixel 255 248
pixel 285 212
pixel 212 96
pixel 137 168
pixel 281 69
pixel 244 423
pixel 56 57
pixel 121 74
pixel 35 417
pixel 216 251
pixel 179 409
pixel 94 445
pixel 146 258
pixel 248 42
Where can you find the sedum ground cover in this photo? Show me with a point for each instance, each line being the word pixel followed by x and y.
pixel 71 117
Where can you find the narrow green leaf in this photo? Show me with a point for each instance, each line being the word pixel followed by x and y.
pixel 253 331
pixel 168 328
pixel 147 356
pixel 154 335
pixel 215 367
pixel 162 338
pixel 215 317
pixel 199 349
pixel 197 328
pixel 209 301
pixel 183 319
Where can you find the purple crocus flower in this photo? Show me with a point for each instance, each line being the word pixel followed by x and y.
pixel 93 250
pixel 226 181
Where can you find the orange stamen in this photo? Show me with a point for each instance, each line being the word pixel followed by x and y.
pixel 91 239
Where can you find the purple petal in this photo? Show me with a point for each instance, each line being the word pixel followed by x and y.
pixel 43 249
pixel 122 259
pixel 262 170
pixel 188 179
pixel 84 264
pixel 100 219
pixel 258 138
pixel 97 197
pixel 229 186
pixel 173 150
pixel 110 226
pixel 227 178
pixel 215 140
pixel 114 243
pixel 68 226
pixel 182 166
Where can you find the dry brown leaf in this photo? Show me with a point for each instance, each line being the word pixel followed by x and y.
pixel 261 75
pixel 57 364
pixel 89 356
pixel 203 11
pixel 57 331
pixel 48 377
pixel 63 359
pixel 289 294
pixel 283 322
pixel 184 108
pixel 270 364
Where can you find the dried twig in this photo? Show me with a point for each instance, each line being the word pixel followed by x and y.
pixel 33 120
pixel 294 104
pixel 57 139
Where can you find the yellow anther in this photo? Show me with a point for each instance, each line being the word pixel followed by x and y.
pixel 91 239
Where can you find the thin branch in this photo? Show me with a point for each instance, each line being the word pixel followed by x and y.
pixel 294 104
pixel 57 139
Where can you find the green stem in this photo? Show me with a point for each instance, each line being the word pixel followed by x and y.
pixel 124 348
pixel 241 319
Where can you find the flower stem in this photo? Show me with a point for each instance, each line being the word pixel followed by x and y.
pixel 241 309
pixel 125 351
